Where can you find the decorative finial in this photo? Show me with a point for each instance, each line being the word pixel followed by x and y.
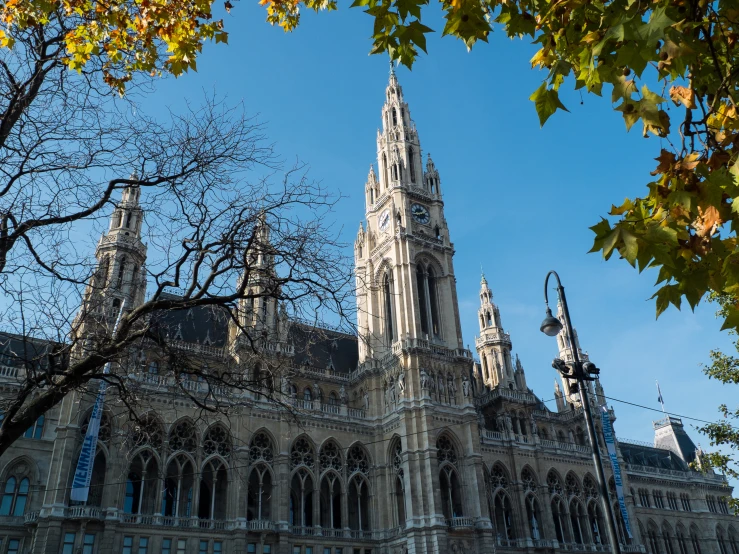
pixel 392 68
pixel 483 281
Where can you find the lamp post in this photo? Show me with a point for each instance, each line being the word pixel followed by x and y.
pixel 551 326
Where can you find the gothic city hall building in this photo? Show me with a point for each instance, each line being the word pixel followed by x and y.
pixel 396 440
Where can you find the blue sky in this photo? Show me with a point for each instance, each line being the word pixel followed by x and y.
pixel 519 199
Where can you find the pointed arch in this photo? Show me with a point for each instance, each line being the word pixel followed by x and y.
pixel 681 534
pixel 358 495
pixel 357 459
pixel 330 456
pixel 147 431
pixel 578 521
pixel 695 539
pixel 217 441
pixel 529 480
pixel 142 482
pixel 560 516
pixel 395 460
pixel 331 495
pixel 302 452
pixel 572 485
pixel 411 164
pixel 533 516
pixel 178 491
pixel 16 490
pixel 213 494
pixel 653 542
pixel 183 436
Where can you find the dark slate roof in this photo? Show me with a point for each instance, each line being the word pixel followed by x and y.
pixel 323 348
pixel 203 324
pixel 651 457
pixel 315 347
pixel 17 351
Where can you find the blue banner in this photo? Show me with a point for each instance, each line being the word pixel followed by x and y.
pixel 83 473
pixel 611 446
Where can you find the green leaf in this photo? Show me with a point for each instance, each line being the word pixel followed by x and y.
pixel 547 102
pixel 610 242
pixel 630 248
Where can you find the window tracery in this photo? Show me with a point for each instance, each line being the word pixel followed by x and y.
pixel 572 487
pixel 148 432
pixel 591 491
pixel 106 427
pixel 183 437
pixel 356 460
pixel 528 480
pixel 554 484
pixel 330 457
pixel 498 478
pixel 261 449
pixel 447 452
pixel 301 454
pixel 217 441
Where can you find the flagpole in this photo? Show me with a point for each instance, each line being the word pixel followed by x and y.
pixel 659 398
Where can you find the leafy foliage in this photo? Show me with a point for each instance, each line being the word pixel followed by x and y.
pixel 724 433
pixel 651 54
pixel 120 37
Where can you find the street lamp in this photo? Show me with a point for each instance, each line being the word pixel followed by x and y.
pixel 550 327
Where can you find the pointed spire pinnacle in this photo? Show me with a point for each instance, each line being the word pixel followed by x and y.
pixel 372 176
pixel 392 68
pixel 483 281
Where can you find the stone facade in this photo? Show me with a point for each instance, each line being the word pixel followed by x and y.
pixel 403 444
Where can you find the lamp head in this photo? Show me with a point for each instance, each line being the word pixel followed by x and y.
pixel 551 325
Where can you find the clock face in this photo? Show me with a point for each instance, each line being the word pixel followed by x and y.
pixel 420 213
pixel 383 220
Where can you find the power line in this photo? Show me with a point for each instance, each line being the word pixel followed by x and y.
pixel 195 473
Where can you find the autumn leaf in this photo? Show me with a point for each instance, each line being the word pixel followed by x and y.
pixel 683 95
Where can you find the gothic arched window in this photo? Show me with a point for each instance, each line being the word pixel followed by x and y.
pixel 399 484
pixel 330 457
pixel 421 284
pixel 451 490
pixel 301 499
pixel 177 495
pixel 411 165
pixel 105 431
pixel 217 440
pixel 142 484
pixel 503 513
pixel 386 180
pixel 259 497
pixel 395 117
pixel 356 461
pixel 358 504
pixel 331 501
pixel 578 521
pixel 15 496
pixel 559 515
pixel 213 490
pixel 302 454
pixel 117 219
pixel 533 516
pixel 148 432
pixel 597 524
pixel 387 287
pixel 183 437
pixel 433 303
pixel 121 271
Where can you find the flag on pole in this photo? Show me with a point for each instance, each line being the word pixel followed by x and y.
pixel 83 473
pixel 659 397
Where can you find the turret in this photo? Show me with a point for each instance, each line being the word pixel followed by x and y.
pixel 431 177
pixel 494 344
pixel 258 311
pixel 566 344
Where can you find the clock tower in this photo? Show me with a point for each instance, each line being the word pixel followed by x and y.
pixel 405 275
pixel 411 355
